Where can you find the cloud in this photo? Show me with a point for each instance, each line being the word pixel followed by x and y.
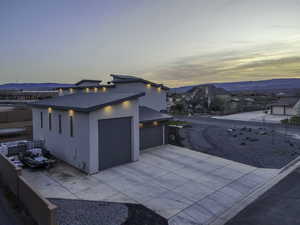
pixel 280 60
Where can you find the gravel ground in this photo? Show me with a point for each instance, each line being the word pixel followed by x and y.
pixel 81 212
pixel 140 215
pixel 252 145
pixel 78 212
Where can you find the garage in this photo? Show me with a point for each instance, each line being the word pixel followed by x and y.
pixel 151 136
pixel 152 127
pixel 278 110
pixel 115 147
pixel 285 106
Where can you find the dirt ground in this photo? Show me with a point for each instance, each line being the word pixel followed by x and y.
pixel 253 145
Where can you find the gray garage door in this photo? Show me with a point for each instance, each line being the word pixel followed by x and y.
pixel 151 137
pixel 114 142
pixel 278 110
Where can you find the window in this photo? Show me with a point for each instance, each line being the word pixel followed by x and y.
pixel 50 121
pixel 59 124
pixel 42 125
pixel 71 127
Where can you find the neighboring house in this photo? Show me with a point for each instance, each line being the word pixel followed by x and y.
pixel 297 108
pixel 155 94
pixel 286 106
pixel 95 131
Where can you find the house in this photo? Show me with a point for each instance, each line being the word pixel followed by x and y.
pixel 155 94
pixel 83 86
pixel 286 106
pixel 97 130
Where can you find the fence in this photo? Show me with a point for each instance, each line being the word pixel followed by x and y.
pixel 41 210
pixel 18 115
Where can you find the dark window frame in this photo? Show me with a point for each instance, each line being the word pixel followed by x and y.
pixel 71 127
pixel 50 121
pixel 59 124
pixel 42 119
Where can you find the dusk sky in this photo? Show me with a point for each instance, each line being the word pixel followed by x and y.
pixel 175 42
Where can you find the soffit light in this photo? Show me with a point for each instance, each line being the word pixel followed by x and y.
pixel 71 112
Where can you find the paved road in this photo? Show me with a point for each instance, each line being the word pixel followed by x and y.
pixel 271 150
pixel 278 206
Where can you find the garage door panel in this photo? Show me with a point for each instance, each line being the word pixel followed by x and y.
pixel 277 110
pixel 151 137
pixel 114 142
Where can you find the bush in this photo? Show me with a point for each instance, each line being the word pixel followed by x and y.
pixel 177 123
pixel 295 120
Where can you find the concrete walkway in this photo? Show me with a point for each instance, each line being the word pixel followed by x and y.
pixel 184 186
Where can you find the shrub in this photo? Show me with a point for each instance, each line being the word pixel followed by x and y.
pixel 295 120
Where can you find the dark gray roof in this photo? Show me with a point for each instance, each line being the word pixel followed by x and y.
pixel 286 101
pixel 85 102
pixel 86 80
pixel 84 86
pixel 132 79
pixel 148 115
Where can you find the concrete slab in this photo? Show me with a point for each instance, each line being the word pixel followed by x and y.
pixel 184 186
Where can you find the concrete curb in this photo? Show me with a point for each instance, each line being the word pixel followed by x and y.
pixel 233 211
pixel 290 164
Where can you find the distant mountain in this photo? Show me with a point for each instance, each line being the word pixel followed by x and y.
pixel 264 85
pixel 32 86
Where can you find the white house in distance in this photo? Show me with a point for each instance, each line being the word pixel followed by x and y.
pixel 289 106
pixel 94 130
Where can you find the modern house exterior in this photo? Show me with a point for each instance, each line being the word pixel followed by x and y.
pixel 83 86
pixel 286 106
pixel 155 94
pixel 97 130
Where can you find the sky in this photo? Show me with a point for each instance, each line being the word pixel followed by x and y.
pixel 174 42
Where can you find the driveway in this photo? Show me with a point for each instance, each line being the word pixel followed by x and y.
pixel 183 186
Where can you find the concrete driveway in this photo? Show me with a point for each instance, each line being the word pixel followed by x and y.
pixel 184 186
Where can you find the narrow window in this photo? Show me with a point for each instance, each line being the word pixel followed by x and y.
pixel 59 124
pixel 50 121
pixel 42 125
pixel 71 127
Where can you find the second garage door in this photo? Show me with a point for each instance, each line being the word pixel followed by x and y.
pixel 151 136
pixel 114 142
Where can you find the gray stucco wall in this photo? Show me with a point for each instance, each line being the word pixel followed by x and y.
pixel 74 150
pixel 130 109
pixel 153 98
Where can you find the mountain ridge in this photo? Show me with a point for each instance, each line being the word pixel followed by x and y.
pixel 267 85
